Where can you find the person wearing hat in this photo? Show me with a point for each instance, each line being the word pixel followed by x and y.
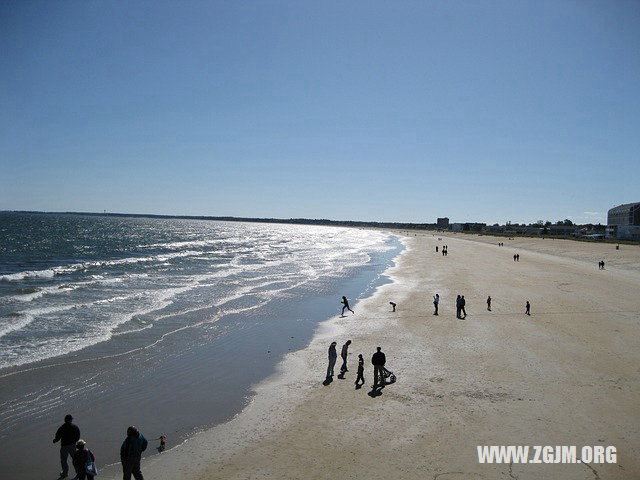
pixel 131 454
pixel 68 434
pixel 84 462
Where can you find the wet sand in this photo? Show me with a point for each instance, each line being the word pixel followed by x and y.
pixel 566 375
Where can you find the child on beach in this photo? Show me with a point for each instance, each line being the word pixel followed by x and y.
pixel 163 444
pixel 360 371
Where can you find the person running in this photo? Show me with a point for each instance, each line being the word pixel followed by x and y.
pixel 81 459
pixel 436 302
pixel 462 304
pixel 333 356
pixel 527 308
pixel 360 371
pixel 345 305
pixel 378 360
pixel 343 354
pixel 489 303
pixel 458 306
pixel 131 454
pixel 68 434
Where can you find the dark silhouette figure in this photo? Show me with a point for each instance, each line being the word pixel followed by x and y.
pixel 131 453
pixel 514 257
pixel 601 264
pixel 489 303
pixel 163 443
pixel 81 458
pixel 436 302
pixel 360 376
pixel 458 306
pixel 436 249
pixel 527 308
pixel 345 305
pixel 343 353
pixel 517 257
pixel 68 434
pixel 393 305
pixel 462 304
pixel 378 360
pixel 333 356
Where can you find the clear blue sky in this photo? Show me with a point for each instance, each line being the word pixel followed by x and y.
pixel 394 111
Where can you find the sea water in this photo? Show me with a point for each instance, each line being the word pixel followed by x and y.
pixel 162 323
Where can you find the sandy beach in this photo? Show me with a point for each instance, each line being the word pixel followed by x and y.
pixel 566 375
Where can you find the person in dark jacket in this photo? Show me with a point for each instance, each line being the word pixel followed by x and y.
pixel 378 360
pixel 80 459
pixel 131 453
pixel 345 306
pixel 68 434
pixel 343 353
pixel 333 356
pixel 360 371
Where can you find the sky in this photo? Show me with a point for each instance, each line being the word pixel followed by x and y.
pixel 486 111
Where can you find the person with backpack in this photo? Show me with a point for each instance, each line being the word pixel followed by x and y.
pixel 131 454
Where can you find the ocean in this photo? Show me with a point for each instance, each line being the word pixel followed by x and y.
pixel 161 323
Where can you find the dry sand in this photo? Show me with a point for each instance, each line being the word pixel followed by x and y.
pixel 569 374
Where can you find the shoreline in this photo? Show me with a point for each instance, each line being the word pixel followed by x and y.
pixel 563 376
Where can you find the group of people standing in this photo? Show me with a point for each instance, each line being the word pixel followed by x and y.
pixel 83 459
pixel 461 312
pixel 516 257
pixel 378 361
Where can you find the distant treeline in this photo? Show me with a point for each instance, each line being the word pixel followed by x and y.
pixel 295 221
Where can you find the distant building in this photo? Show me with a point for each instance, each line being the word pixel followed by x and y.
pixel 623 221
pixel 443 223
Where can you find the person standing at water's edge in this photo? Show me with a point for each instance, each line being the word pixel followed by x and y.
pixel 68 434
pixel 436 302
pixel 131 454
pixel 343 353
pixel 333 356
pixel 345 305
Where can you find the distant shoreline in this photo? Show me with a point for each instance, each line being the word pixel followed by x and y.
pixel 326 222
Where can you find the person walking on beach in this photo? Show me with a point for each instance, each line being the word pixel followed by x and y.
pixel 378 360
pixel 345 305
pixel 333 356
pixel 393 305
pixel 343 354
pixel 527 308
pixel 489 303
pixel 514 257
pixel 458 306
pixel 517 257
pixel 84 462
pixel 436 302
pixel 360 371
pixel 462 304
pixel 68 434
pixel 131 454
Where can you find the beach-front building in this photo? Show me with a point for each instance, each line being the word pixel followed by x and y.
pixel 623 222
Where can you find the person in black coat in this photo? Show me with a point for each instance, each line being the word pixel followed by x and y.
pixel 378 360
pixel 68 434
